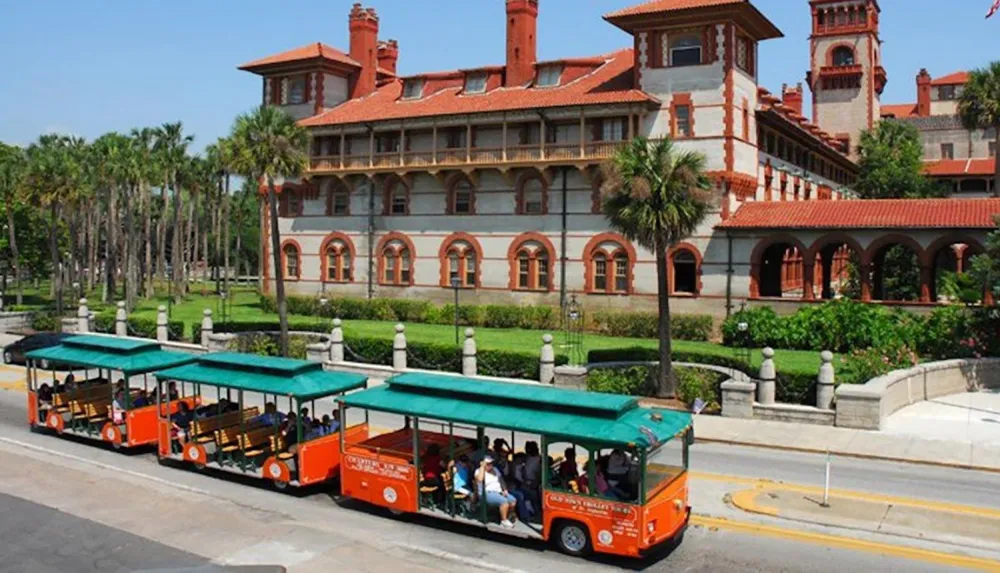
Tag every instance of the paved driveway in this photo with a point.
(968, 417)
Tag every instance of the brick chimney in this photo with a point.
(388, 55)
(792, 97)
(364, 49)
(522, 53)
(923, 93)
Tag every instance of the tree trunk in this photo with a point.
(161, 232)
(177, 256)
(111, 246)
(279, 273)
(225, 232)
(236, 259)
(132, 282)
(94, 222)
(666, 385)
(217, 237)
(147, 263)
(204, 256)
(996, 159)
(14, 252)
(54, 253)
(261, 251)
(190, 242)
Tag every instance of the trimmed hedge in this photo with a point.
(138, 326)
(692, 383)
(793, 388)
(621, 324)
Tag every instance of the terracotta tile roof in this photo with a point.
(867, 214)
(770, 102)
(955, 167)
(899, 110)
(608, 84)
(656, 6)
(951, 79)
(312, 51)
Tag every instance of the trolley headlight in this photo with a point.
(651, 526)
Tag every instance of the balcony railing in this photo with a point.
(454, 157)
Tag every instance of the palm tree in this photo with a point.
(142, 140)
(12, 165)
(269, 144)
(110, 155)
(656, 195)
(979, 107)
(172, 145)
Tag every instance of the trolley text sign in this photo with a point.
(623, 517)
(400, 472)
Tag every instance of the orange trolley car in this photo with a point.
(647, 507)
(89, 407)
(239, 434)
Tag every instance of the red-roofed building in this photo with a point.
(488, 179)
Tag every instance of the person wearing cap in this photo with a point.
(493, 490)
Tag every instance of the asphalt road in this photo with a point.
(704, 549)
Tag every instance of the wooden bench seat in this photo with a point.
(98, 411)
(278, 445)
(231, 440)
(256, 442)
(63, 401)
(204, 429)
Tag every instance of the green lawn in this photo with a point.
(245, 306)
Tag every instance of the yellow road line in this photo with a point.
(762, 484)
(17, 386)
(914, 553)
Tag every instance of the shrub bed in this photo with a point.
(621, 324)
(137, 326)
(692, 383)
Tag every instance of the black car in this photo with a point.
(14, 354)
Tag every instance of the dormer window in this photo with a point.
(685, 50)
(475, 83)
(548, 76)
(843, 56)
(413, 89)
(296, 90)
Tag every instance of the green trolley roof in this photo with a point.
(125, 355)
(556, 413)
(282, 376)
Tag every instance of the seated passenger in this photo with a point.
(480, 451)
(270, 417)
(118, 408)
(431, 466)
(69, 383)
(290, 433)
(568, 469)
(493, 490)
(462, 478)
(140, 400)
(172, 391)
(182, 421)
(316, 430)
(501, 452)
(45, 395)
(304, 416)
(618, 469)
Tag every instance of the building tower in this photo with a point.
(846, 74)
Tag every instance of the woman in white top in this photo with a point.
(493, 490)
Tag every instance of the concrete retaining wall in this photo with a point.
(14, 321)
(738, 402)
(867, 406)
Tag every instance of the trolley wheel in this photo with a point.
(572, 538)
(8, 357)
(43, 364)
(280, 485)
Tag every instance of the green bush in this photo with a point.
(692, 383)
(498, 316)
(45, 322)
(861, 366)
(698, 383)
(301, 325)
(146, 328)
(646, 325)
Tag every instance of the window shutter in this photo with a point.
(275, 91)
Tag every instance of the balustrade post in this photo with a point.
(399, 349)
(825, 382)
(547, 363)
(121, 320)
(82, 318)
(337, 342)
(768, 376)
(207, 328)
(162, 332)
(469, 353)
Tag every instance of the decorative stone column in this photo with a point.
(207, 328)
(121, 320)
(767, 378)
(547, 363)
(573, 377)
(316, 352)
(926, 278)
(825, 382)
(399, 349)
(469, 353)
(82, 318)
(737, 399)
(866, 282)
(337, 342)
(808, 276)
(162, 332)
(220, 342)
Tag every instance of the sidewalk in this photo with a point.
(979, 455)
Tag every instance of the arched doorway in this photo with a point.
(950, 259)
(838, 267)
(898, 270)
(780, 270)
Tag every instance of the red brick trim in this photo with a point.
(284, 261)
(829, 52)
(670, 268)
(836, 238)
(324, 262)
(320, 98)
(383, 245)
(762, 246)
(512, 261)
(972, 245)
(591, 249)
(446, 246)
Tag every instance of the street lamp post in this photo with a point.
(323, 301)
(455, 284)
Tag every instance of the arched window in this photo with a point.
(608, 260)
(684, 272)
(462, 199)
(396, 199)
(293, 266)
(532, 198)
(460, 259)
(621, 272)
(338, 200)
(843, 56)
(338, 262)
(685, 50)
(396, 265)
(530, 256)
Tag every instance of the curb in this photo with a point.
(856, 455)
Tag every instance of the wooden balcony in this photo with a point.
(457, 158)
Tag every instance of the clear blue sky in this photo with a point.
(90, 66)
